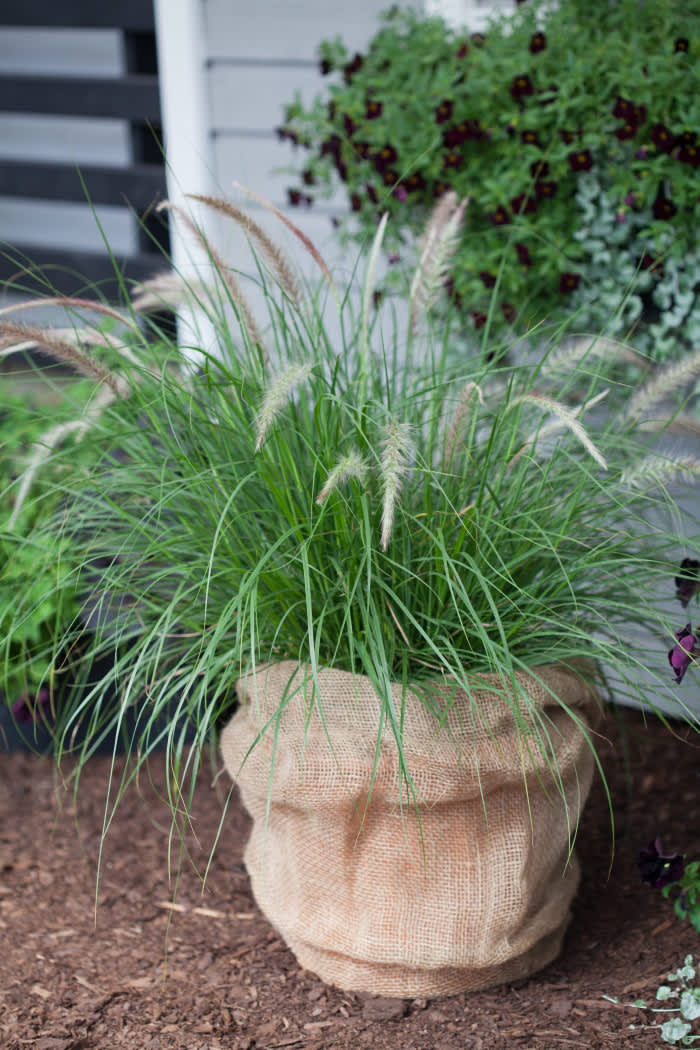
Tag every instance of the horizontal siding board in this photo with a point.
(133, 97)
(139, 186)
(71, 140)
(277, 29)
(265, 165)
(26, 269)
(248, 96)
(94, 14)
(94, 52)
(64, 224)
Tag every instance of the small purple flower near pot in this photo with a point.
(28, 710)
(681, 655)
(658, 869)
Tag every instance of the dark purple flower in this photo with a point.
(452, 159)
(539, 169)
(681, 45)
(326, 67)
(663, 208)
(444, 111)
(356, 202)
(331, 146)
(689, 155)
(688, 580)
(440, 188)
(521, 87)
(500, 216)
(538, 42)
(623, 108)
(654, 265)
(414, 182)
(529, 137)
(523, 205)
(523, 254)
(680, 656)
(31, 710)
(362, 149)
(479, 318)
(580, 160)
(349, 125)
(487, 279)
(372, 194)
(390, 177)
(656, 868)
(385, 157)
(463, 51)
(352, 67)
(626, 131)
(401, 193)
(662, 138)
(687, 138)
(308, 177)
(295, 197)
(509, 312)
(545, 190)
(569, 282)
(373, 109)
(567, 136)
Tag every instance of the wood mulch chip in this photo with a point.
(146, 960)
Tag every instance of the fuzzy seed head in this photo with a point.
(279, 390)
(350, 466)
(397, 450)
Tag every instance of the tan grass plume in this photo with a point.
(437, 246)
(225, 272)
(393, 467)
(275, 257)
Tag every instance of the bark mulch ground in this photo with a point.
(166, 965)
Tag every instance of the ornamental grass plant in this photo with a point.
(346, 486)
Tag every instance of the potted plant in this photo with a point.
(396, 576)
(573, 129)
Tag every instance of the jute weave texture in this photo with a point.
(472, 890)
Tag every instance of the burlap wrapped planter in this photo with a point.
(367, 895)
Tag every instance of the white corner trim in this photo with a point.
(181, 39)
(180, 35)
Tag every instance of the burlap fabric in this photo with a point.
(471, 892)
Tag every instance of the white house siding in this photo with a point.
(53, 224)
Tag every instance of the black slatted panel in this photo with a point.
(132, 97)
(128, 97)
(88, 14)
(138, 187)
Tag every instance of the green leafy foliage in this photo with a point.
(37, 600)
(683, 998)
(573, 130)
(686, 893)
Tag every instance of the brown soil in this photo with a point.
(162, 965)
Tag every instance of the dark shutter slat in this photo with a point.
(132, 97)
(85, 14)
(46, 271)
(140, 185)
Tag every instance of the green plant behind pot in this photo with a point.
(339, 491)
(572, 128)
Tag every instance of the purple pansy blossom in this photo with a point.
(681, 655)
(658, 869)
(28, 710)
(688, 580)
